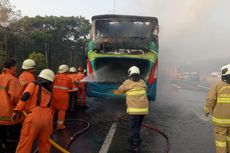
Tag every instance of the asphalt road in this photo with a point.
(177, 111)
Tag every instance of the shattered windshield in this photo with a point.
(123, 29)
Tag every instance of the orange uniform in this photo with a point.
(39, 120)
(61, 87)
(81, 95)
(73, 92)
(26, 77)
(73, 77)
(10, 93)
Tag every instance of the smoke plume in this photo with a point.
(190, 29)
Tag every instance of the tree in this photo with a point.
(54, 36)
(40, 61)
(8, 13)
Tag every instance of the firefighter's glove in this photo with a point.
(15, 116)
(207, 114)
(116, 92)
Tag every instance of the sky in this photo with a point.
(189, 29)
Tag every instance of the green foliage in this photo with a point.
(40, 61)
(60, 38)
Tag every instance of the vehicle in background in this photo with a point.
(191, 76)
(117, 43)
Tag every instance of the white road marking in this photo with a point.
(176, 86)
(108, 139)
(203, 87)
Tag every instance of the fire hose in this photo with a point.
(75, 135)
(166, 149)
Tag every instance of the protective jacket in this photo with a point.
(26, 77)
(218, 104)
(38, 121)
(10, 93)
(81, 94)
(136, 99)
(73, 77)
(80, 76)
(62, 85)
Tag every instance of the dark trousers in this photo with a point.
(135, 122)
(72, 100)
(9, 136)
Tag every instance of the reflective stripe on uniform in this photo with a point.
(2, 118)
(2, 87)
(136, 92)
(61, 87)
(60, 122)
(220, 120)
(221, 144)
(137, 110)
(74, 89)
(223, 100)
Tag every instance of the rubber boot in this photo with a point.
(134, 146)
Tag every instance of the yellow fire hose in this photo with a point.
(53, 143)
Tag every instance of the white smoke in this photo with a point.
(188, 29)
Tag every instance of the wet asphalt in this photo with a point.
(177, 111)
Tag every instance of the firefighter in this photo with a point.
(73, 92)
(218, 105)
(10, 93)
(62, 85)
(27, 74)
(81, 94)
(137, 105)
(36, 102)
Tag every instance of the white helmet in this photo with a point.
(47, 74)
(73, 69)
(133, 70)
(63, 68)
(225, 70)
(28, 64)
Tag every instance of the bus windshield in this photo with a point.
(123, 29)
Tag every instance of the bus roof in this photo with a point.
(125, 17)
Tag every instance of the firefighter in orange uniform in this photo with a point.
(38, 123)
(81, 94)
(73, 93)
(27, 74)
(62, 85)
(10, 93)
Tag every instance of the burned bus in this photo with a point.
(117, 43)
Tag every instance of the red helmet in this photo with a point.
(79, 69)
